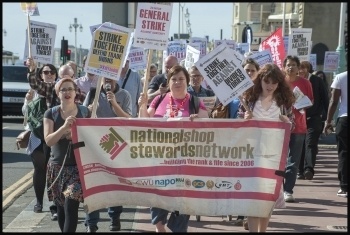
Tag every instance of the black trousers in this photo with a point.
(341, 135)
(310, 148)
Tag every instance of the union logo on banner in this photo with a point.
(112, 143)
(275, 44)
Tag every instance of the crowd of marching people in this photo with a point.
(170, 94)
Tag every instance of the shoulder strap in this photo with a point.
(194, 104)
(159, 100)
(55, 110)
(84, 110)
(126, 78)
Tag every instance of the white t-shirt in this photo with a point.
(340, 82)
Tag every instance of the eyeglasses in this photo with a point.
(69, 89)
(49, 71)
(195, 76)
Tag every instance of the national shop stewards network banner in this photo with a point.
(205, 167)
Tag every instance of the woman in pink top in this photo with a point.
(175, 103)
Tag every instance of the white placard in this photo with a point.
(224, 73)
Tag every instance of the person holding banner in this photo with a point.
(63, 181)
(176, 103)
(291, 66)
(158, 83)
(270, 97)
(251, 67)
(113, 101)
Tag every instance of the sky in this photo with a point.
(63, 14)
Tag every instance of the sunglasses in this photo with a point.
(47, 72)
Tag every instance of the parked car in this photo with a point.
(14, 88)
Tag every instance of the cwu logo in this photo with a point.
(112, 143)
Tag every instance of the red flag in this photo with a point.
(275, 44)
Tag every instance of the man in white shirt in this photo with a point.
(340, 95)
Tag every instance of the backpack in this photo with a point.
(35, 114)
(194, 103)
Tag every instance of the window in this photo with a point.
(14, 74)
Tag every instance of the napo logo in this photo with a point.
(223, 185)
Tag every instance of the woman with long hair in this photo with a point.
(269, 97)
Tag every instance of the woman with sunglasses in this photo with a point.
(37, 148)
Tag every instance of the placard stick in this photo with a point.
(97, 95)
(29, 44)
(244, 103)
(145, 83)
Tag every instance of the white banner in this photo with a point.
(192, 56)
(224, 73)
(42, 40)
(262, 57)
(299, 43)
(202, 167)
(152, 25)
(230, 43)
(203, 45)
(331, 61)
(137, 58)
(177, 48)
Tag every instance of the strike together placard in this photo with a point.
(109, 46)
(177, 164)
(42, 41)
(224, 73)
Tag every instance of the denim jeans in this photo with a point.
(341, 135)
(296, 143)
(92, 218)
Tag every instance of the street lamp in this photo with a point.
(182, 7)
(188, 24)
(75, 26)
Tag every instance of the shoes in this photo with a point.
(91, 229)
(53, 209)
(38, 208)
(308, 175)
(115, 225)
(245, 225)
(238, 222)
(53, 216)
(288, 197)
(300, 176)
(342, 193)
